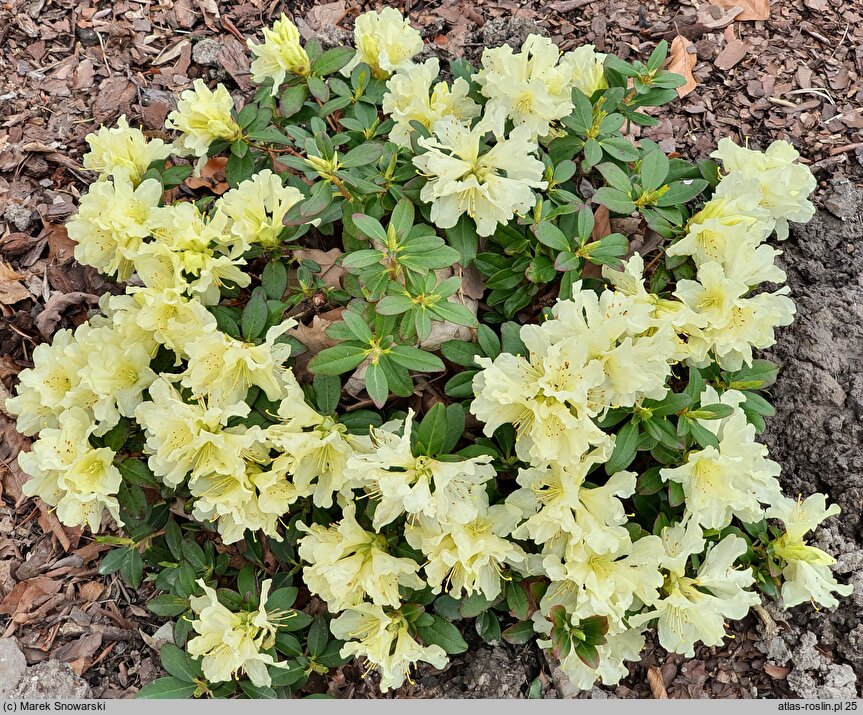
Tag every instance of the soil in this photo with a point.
(69, 65)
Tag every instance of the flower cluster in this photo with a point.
(618, 484)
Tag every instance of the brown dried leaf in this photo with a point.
(734, 51)
(11, 290)
(326, 15)
(682, 60)
(777, 672)
(657, 687)
(61, 248)
(50, 317)
(212, 176)
(752, 9)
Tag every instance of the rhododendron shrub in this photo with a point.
(500, 405)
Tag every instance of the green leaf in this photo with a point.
(269, 135)
(702, 435)
(363, 258)
(716, 411)
(432, 431)
(274, 279)
(454, 313)
(463, 238)
(522, 632)
(511, 339)
(516, 600)
(255, 315)
(588, 654)
(166, 688)
(376, 384)
(358, 326)
(258, 692)
(676, 497)
(363, 155)
(332, 60)
(616, 178)
(134, 471)
(654, 169)
(582, 112)
(614, 200)
(288, 672)
(679, 192)
(318, 88)
(132, 570)
(394, 305)
(293, 98)
(444, 634)
(113, 561)
(415, 359)
(328, 392)
(649, 483)
(239, 169)
(488, 627)
(318, 636)
(461, 352)
(168, 605)
(460, 386)
(608, 250)
(371, 227)
(337, 359)
(760, 375)
(288, 644)
(282, 598)
(567, 261)
(402, 218)
(488, 341)
(175, 175)
(550, 235)
(625, 449)
(180, 664)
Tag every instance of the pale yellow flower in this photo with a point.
(228, 643)
(489, 186)
(255, 210)
(348, 565)
(203, 116)
(385, 41)
(123, 147)
(414, 94)
(384, 640)
(806, 572)
(113, 219)
(281, 53)
(529, 86)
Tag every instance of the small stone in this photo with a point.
(206, 53)
(19, 216)
(13, 665)
(51, 680)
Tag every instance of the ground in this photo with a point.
(68, 66)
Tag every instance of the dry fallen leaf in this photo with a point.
(326, 15)
(11, 290)
(734, 51)
(752, 9)
(212, 176)
(682, 60)
(776, 671)
(657, 687)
